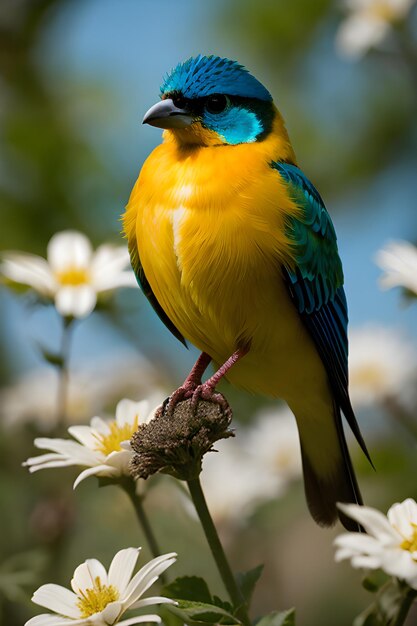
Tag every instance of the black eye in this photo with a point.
(217, 103)
(179, 101)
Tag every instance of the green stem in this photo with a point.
(409, 598)
(216, 548)
(407, 49)
(62, 399)
(400, 414)
(137, 502)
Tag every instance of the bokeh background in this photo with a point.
(75, 80)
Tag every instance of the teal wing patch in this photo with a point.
(147, 290)
(316, 285)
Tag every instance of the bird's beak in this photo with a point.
(165, 114)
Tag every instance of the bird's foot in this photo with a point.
(207, 392)
(184, 392)
(197, 392)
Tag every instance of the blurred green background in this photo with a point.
(75, 80)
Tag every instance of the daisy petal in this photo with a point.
(127, 410)
(399, 563)
(50, 464)
(357, 542)
(77, 300)
(97, 470)
(361, 561)
(121, 568)
(119, 460)
(111, 612)
(85, 435)
(154, 600)
(53, 620)
(358, 33)
(402, 516)
(69, 249)
(107, 268)
(374, 522)
(31, 270)
(139, 620)
(146, 576)
(86, 574)
(57, 599)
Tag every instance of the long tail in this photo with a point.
(329, 476)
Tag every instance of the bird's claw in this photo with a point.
(207, 392)
(197, 393)
(184, 392)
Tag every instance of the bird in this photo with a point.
(237, 254)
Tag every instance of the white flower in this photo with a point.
(100, 598)
(232, 483)
(93, 385)
(390, 543)
(259, 464)
(399, 261)
(273, 440)
(368, 24)
(73, 275)
(98, 446)
(382, 364)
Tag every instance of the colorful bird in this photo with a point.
(236, 252)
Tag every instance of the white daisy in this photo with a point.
(92, 385)
(273, 440)
(231, 483)
(390, 543)
(98, 446)
(73, 274)
(100, 598)
(382, 364)
(368, 24)
(399, 262)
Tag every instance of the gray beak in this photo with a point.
(165, 114)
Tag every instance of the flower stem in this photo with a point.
(409, 598)
(62, 399)
(216, 548)
(137, 502)
(401, 415)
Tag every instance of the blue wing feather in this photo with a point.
(316, 285)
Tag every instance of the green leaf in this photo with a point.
(52, 357)
(278, 618)
(202, 613)
(374, 581)
(223, 604)
(247, 581)
(188, 588)
(386, 607)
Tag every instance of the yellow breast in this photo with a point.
(209, 225)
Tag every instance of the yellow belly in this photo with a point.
(209, 224)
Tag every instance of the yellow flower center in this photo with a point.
(97, 598)
(411, 544)
(73, 276)
(371, 376)
(383, 10)
(111, 441)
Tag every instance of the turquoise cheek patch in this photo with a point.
(234, 126)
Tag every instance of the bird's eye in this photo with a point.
(217, 103)
(179, 101)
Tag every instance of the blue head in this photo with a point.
(210, 100)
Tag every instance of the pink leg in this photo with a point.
(200, 366)
(206, 391)
(190, 384)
